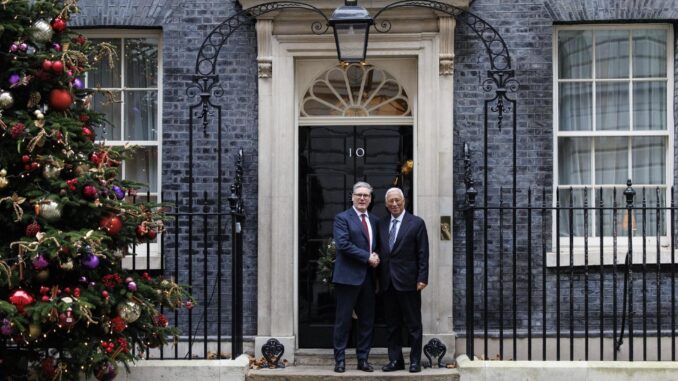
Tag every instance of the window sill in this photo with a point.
(579, 256)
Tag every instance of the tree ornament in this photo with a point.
(105, 371)
(3, 179)
(14, 79)
(50, 172)
(23, 46)
(88, 133)
(56, 46)
(111, 224)
(67, 319)
(58, 67)
(90, 261)
(47, 65)
(129, 311)
(34, 330)
(119, 192)
(42, 275)
(77, 83)
(82, 169)
(5, 327)
(17, 130)
(67, 265)
(59, 24)
(89, 191)
(50, 210)
(151, 234)
(21, 299)
(40, 262)
(141, 231)
(6, 100)
(41, 31)
(60, 99)
(132, 286)
(33, 229)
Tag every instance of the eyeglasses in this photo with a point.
(362, 195)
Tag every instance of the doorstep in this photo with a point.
(315, 373)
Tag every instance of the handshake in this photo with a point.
(374, 260)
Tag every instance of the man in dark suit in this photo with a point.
(403, 273)
(355, 236)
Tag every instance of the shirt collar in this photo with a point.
(359, 213)
(399, 218)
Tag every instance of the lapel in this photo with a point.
(405, 225)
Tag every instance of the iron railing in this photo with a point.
(579, 274)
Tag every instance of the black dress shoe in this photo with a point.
(415, 367)
(393, 366)
(365, 366)
(340, 366)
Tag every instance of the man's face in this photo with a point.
(395, 203)
(361, 199)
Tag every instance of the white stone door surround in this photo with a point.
(284, 40)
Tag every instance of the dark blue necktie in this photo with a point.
(392, 235)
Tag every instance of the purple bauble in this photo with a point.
(5, 327)
(23, 46)
(83, 280)
(77, 83)
(132, 286)
(56, 46)
(119, 193)
(14, 47)
(40, 262)
(90, 261)
(14, 79)
(105, 371)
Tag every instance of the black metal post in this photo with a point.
(237, 215)
(469, 214)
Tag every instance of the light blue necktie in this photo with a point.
(392, 234)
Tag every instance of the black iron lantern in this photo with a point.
(351, 24)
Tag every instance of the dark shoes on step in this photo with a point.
(393, 366)
(340, 366)
(415, 367)
(365, 366)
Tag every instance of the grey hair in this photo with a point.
(394, 189)
(362, 184)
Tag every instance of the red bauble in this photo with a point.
(111, 225)
(88, 133)
(33, 229)
(21, 299)
(59, 24)
(67, 319)
(89, 191)
(58, 67)
(141, 231)
(151, 234)
(60, 99)
(47, 65)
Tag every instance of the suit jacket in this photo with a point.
(353, 250)
(407, 263)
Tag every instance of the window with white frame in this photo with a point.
(131, 99)
(613, 121)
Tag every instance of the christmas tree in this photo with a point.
(66, 220)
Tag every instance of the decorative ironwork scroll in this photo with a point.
(435, 348)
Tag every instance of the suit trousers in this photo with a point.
(403, 308)
(361, 299)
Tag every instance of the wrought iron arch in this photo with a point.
(205, 85)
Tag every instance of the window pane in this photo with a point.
(649, 106)
(612, 160)
(109, 105)
(103, 74)
(615, 219)
(574, 161)
(575, 54)
(140, 115)
(575, 107)
(612, 106)
(649, 53)
(141, 62)
(648, 197)
(612, 54)
(648, 160)
(574, 198)
(143, 167)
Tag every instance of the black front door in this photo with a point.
(331, 160)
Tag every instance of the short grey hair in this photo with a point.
(362, 184)
(394, 189)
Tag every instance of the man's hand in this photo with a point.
(374, 260)
(421, 286)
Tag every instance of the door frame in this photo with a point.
(278, 173)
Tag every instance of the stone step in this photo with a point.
(325, 357)
(325, 373)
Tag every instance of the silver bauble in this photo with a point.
(50, 210)
(51, 171)
(41, 31)
(67, 265)
(129, 311)
(6, 100)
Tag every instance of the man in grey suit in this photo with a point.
(403, 273)
(355, 236)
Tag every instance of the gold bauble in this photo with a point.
(42, 275)
(50, 210)
(81, 169)
(34, 330)
(3, 182)
(50, 171)
(67, 265)
(129, 311)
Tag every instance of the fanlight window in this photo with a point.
(355, 91)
